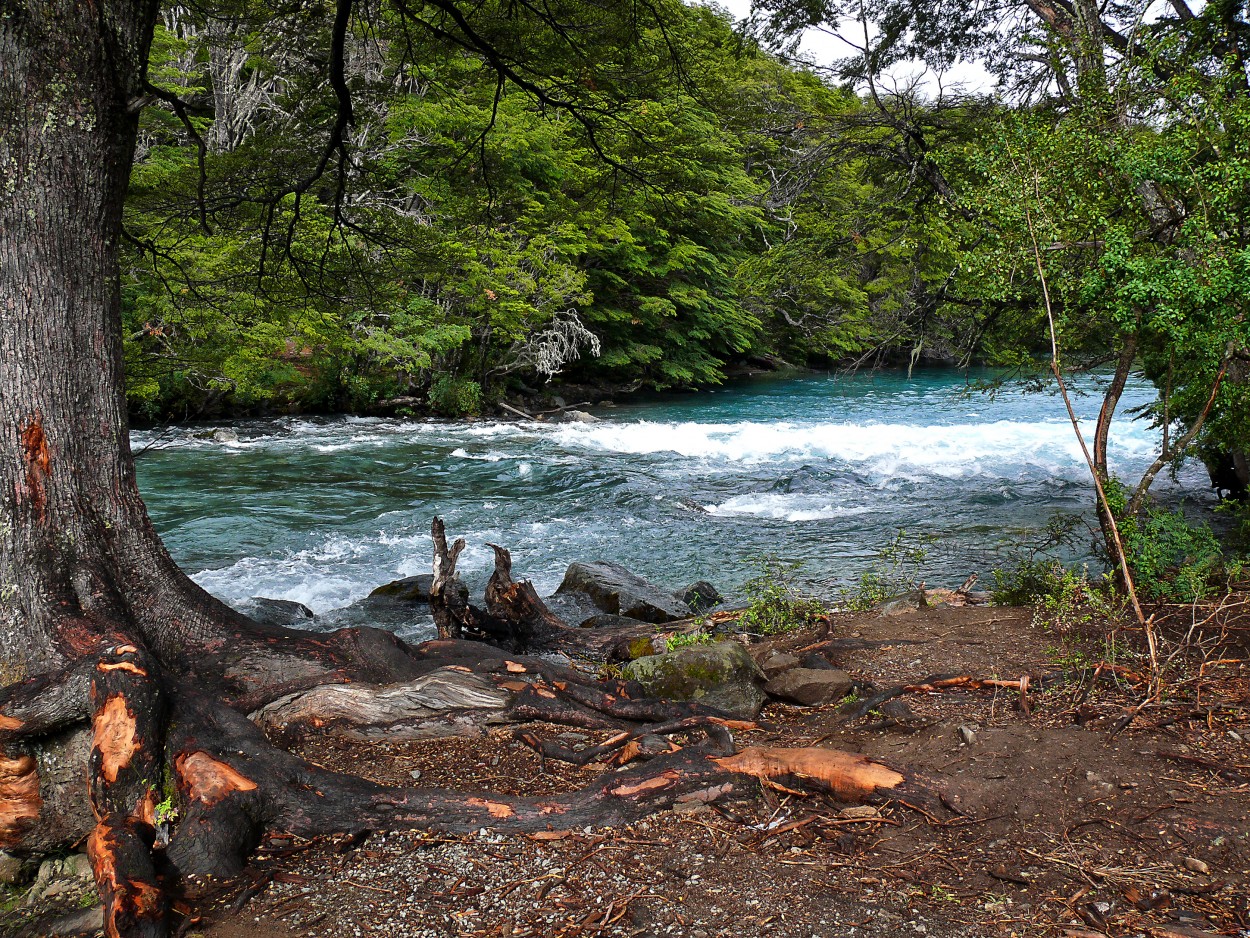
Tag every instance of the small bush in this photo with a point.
(455, 397)
(775, 604)
(896, 569)
(700, 636)
(1171, 558)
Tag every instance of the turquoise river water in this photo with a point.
(822, 470)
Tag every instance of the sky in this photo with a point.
(823, 47)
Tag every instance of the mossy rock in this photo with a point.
(723, 676)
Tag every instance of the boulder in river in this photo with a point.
(574, 416)
(810, 687)
(225, 435)
(283, 613)
(700, 596)
(411, 589)
(614, 589)
(722, 675)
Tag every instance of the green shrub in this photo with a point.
(1029, 581)
(451, 396)
(774, 603)
(1170, 557)
(896, 569)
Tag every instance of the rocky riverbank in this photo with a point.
(1057, 816)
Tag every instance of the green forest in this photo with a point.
(656, 198)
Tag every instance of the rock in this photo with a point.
(859, 811)
(408, 589)
(722, 675)
(641, 647)
(225, 435)
(774, 663)
(66, 876)
(816, 662)
(81, 922)
(575, 416)
(412, 589)
(700, 596)
(284, 613)
(606, 620)
(12, 870)
(1194, 865)
(900, 605)
(810, 687)
(614, 589)
(967, 734)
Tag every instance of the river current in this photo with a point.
(820, 470)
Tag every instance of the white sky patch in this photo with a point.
(825, 45)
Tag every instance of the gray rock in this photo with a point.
(700, 596)
(81, 922)
(614, 589)
(900, 605)
(774, 663)
(61, 877)
(816, 662)
(723, 676)
(12, 870)
(810, 687)
(225, 435)
(409, 589)
(967, 734)
(859, 812)
(574, 416)
(286, 613)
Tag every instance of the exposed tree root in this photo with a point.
(215, 727)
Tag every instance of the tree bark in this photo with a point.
(78, 554)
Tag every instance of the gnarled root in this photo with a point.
(235, 783)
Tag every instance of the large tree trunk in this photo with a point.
(77, 552)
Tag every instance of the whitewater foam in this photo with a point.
(950, 450)
(784, 506)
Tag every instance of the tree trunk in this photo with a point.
(78, 555)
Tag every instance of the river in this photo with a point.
(820, 470)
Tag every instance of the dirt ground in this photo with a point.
(1063, 825)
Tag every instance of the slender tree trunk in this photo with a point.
(1110, 401)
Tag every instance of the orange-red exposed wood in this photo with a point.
(209, 781)
(19, 797)
(844, 775)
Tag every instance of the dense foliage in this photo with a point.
(472, 228)
(644, 195)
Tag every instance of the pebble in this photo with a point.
(859, 811)
(1194, 865)
(967, 734)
